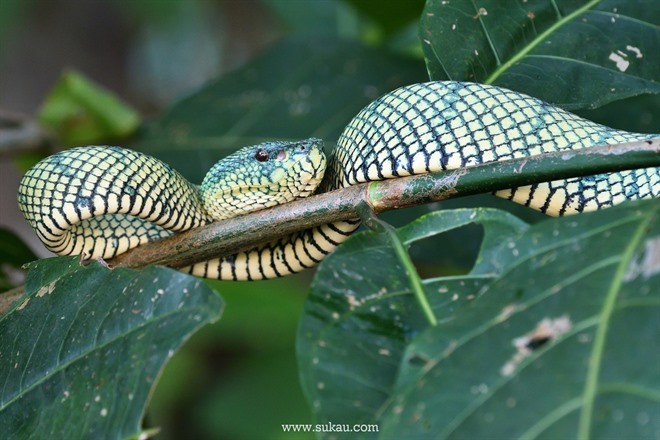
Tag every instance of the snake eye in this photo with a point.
(261, 155)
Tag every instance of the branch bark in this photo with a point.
(244, 232)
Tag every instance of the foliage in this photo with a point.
(13, 254)
(577, 54)
(542, 313)
(82, 113)
(87, 344)
(532, 337)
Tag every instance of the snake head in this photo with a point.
(261, 176)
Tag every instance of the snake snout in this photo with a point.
(307, 148)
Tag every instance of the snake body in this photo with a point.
(101, 201)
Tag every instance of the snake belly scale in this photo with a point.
(99, 202)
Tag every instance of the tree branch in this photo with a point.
(19, 134)
(240, 233)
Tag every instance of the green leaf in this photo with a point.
(575, 54)
(300, 88)
(639, 114)
(241, 365)
(556, 331)
(390, 16)
(534, 342)
(13, 250)
(85, 346)
(81, 112)
(361, 313)
(12, 17)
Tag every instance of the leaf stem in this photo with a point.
(371, 221)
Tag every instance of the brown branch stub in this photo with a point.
(19, 134)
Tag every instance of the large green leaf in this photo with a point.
(361, 313)
(85, 346)
(300, 88)
(329, 17)
(238, 368)
(548, 341)
(534, 342)
(573, 53)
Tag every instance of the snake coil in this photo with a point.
(102, 201)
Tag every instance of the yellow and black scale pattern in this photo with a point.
(446, 125)
(99, 202)
(72, 199)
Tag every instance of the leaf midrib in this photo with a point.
(598, 347)
(578, 327)
(536, 41)
(579, 275)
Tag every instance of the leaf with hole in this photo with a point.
(361, 313)
(541, 339)
(575, 54)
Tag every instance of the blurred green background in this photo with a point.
(237, 379)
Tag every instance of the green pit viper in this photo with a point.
(99, 202)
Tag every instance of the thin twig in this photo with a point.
(19, 134)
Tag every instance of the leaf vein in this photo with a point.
(598, 347)
(536, 41)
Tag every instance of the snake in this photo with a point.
(100, 201)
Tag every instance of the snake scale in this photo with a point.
(101, 201)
